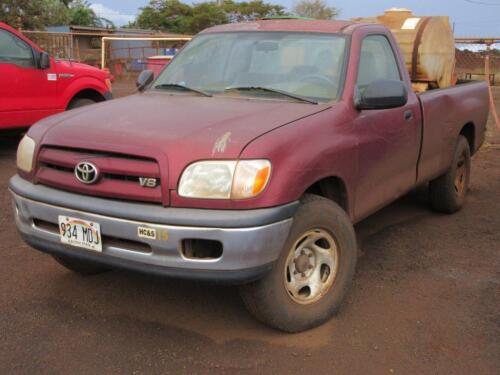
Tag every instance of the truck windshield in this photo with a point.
(304, 65)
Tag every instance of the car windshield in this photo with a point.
(288, 66)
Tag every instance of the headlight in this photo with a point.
(225, 179)
(25, 152)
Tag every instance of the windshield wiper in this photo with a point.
(275, 91)
(179, 86)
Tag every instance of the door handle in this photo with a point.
(408, 115)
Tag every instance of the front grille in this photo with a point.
(119, 174)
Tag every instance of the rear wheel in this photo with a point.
(80, 102)
(447, 192)
(79, 266)
(310, 279)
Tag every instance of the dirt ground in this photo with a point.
(426, 300)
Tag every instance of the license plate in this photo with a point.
(80, 233)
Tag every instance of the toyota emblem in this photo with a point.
(86, 173)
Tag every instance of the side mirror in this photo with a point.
(44, 60)
(382, 94)
(144, 79)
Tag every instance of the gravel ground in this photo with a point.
(426, 299)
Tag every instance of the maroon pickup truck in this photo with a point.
(247, 161)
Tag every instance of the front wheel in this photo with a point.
(80, 102)
(313, 273)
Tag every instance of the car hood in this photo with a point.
(205, 127)
(75, 67)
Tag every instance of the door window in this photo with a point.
(14, 50)
(377, 61)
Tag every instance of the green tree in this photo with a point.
(206, 15)
(177, 17)
(80, 14)
(37, 14)
(33, 14)
(171, 15)
(248, 11)
(317, 9)
(55, 13)
(30, 14)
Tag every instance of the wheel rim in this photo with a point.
(461, 176)
(311, 266)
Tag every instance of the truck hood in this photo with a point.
(68, 66)
(183, 126)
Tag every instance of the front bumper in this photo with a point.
(251, 240)
(108, 95)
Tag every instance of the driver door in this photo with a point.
(27, 93)
(388, 139)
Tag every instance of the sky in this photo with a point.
(474, 18)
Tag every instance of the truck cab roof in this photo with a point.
(286, 25)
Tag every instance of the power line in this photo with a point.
(477, 22)
(114, 14)
(477, 2)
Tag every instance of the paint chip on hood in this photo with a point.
(221, 143)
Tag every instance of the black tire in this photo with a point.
(269, 298)
(80, 102)
(79, 266)
(447, 192)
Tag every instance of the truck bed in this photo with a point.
(445, 114)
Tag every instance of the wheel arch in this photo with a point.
(87, 94)
(469, 132)
(333, 188)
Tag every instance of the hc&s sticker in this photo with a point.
(152, 234)
(145, 232)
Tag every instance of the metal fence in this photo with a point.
(478, 61)
(133, 54)
(60, 45)
(88, 47)
(471, 53)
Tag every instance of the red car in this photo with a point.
(248, 160)
(35, 85)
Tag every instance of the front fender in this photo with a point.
(305, 152)
(81, 84)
